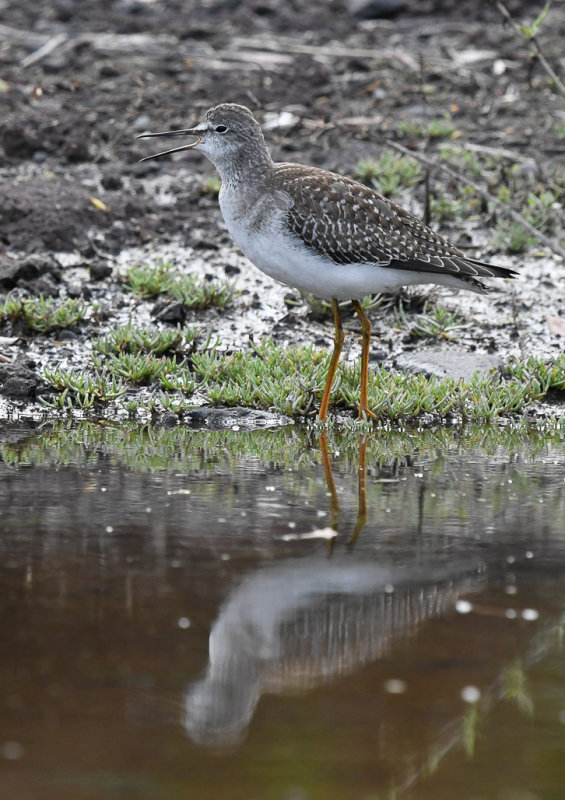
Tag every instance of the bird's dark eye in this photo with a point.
(220, 128)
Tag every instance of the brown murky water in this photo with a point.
(178, 622)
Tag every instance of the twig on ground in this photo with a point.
(499, 152)
(284, 44)
(505, 209)
(51, 44)
(24, 38)
(532, 38)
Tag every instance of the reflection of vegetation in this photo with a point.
(147, 447)
(64, 442)
(403, 466)
(514, 688)
(470, 728)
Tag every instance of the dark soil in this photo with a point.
(71, 181)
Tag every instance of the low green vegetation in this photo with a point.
(441, 128)
(432, 323)
(537, 195)
(470, 161)
(517, 185)
(514, 184)
(268, 376)
(163, 279)
(291, 380)
(529, 31)
(139, 355)
(390, 173)
(396, 396)
(211, 186)
(513, 237)
(43, 314)
(182, 379)
(543, 375)
(131, 339)
(447, 208)
(81, 389)
(541, 207)
(140, 368)
(128, 357)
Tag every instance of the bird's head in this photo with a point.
(228, 134)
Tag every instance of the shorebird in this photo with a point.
(321, 232)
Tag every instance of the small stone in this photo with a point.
(19, 142)
(375, 9)
(170, 312)
(108, 71)
(54, 64)
(77, 152)
(18, 387)
(43, 285)
(142, 123)
(12, 271)
(77, 290)
(111, 182)
(100, 270)
(68, 335)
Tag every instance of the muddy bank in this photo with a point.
(78, 210)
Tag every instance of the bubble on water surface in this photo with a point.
(470, 694)
(463, 606)
(395, 686)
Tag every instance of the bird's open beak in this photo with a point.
(186, 132)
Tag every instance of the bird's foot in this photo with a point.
(365, 414)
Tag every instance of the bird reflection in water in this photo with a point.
(335, 510)
(297, 625)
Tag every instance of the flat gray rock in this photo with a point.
(452, 363)
(245, 419)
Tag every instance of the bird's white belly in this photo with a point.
(303, 269)
(263, 239)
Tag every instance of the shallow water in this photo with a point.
(180, 621)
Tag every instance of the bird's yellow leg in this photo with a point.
(364, 410)
(338, 344)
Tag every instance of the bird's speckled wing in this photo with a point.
(350, 223)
